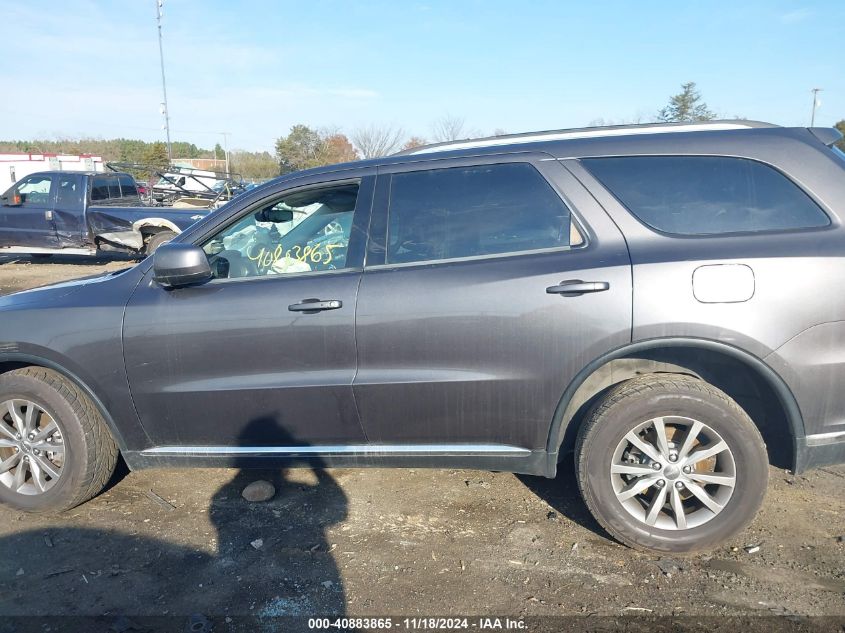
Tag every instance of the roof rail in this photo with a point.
(585, 132)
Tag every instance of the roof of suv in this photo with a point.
(721, 136)
(586, 132)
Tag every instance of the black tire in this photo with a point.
(630, 404)
(162, 237)
(90, 453)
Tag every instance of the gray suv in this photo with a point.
(661, 301)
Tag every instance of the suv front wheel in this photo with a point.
(670, 463)
(55, 448)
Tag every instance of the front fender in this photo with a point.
(31, 355)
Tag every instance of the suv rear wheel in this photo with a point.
(55, 449)
(670, 463)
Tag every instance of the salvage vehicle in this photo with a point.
(657, 301)
(82, 213)
(178, 185)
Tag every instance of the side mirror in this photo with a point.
(276, 216)
(178, 265)
(12, 200)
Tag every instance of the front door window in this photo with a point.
(35, 191)
(300, 232)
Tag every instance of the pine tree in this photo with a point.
(686, 106)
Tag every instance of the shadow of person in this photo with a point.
(280, 549)
(269, 560)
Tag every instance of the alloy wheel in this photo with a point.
(32, 449)
(673, 473)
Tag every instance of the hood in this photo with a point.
(51, 292)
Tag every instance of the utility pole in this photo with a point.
(226, 148)
(165, 111)
(816, 104)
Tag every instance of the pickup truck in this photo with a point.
(83, 213)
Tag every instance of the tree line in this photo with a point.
(304, 147)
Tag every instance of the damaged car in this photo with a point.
(83, 213)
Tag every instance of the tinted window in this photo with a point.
(299, 232)
(127, 186)
(700, 195)
(100, 188)
(114, 187)
(481, 210)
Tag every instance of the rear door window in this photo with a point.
(474, 211)
(69, 192)
(707, 195)
(127, 186)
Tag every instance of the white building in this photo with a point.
(15, 166)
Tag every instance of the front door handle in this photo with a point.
(315, 305)
(48, 215)
(576, 287)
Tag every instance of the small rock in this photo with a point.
(327, 584)
(840, 539)
(753, 549)
(668, 567)
(551, 516)
(257, 543)
(20, 572)
(259, 491)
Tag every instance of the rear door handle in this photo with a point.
(315, 305)
(576, 287)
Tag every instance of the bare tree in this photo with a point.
(448, 128)
(374, 141)
(414, 142)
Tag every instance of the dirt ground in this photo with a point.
(397, 542)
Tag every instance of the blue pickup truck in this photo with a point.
(83, 213)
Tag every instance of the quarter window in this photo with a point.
(472, 211)
(300, 232)
(706, 195)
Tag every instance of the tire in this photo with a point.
(83, 453)
(678, 404)
(157, 240)
(41, 256)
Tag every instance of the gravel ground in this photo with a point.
(398, 542)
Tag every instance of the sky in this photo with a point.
(87, 68)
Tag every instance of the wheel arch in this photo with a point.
(12, 361)
(774, 408)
